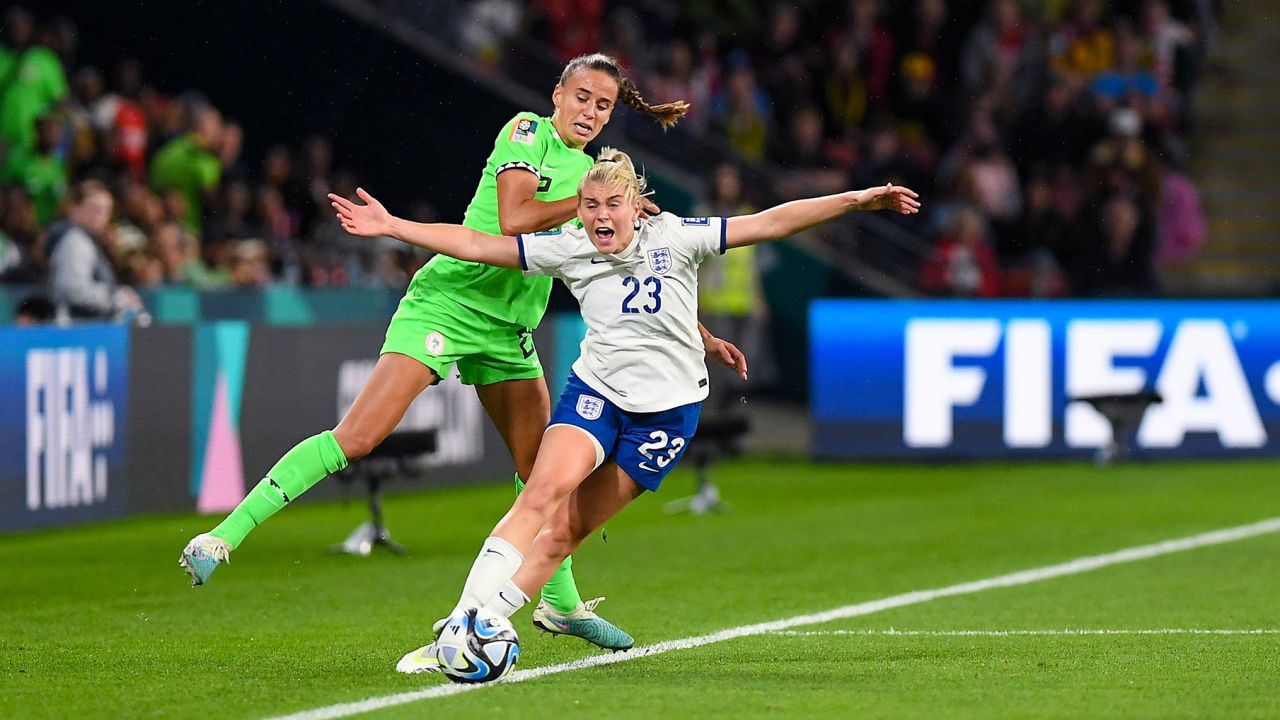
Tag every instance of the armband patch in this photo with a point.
(524, 131)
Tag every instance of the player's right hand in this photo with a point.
(368, 220)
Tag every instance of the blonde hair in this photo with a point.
(613, 168)
(667, 114)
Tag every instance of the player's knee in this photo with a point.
(355, 444)
(539, 499)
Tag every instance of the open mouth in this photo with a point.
(604, 233)
(582, 128)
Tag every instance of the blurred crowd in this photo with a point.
(1048, 138)
(108, 184)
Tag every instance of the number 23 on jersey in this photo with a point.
(651, 304)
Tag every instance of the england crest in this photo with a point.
(590, 407)
(660, 261)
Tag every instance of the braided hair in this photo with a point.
(667, 114)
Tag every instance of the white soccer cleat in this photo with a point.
(202, 556)
(423, 660)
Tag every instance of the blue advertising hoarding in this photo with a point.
(64, 398)
(973, 379)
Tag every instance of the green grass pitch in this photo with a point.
(98, 622)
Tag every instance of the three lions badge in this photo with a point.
(590, 407)
(660, 261)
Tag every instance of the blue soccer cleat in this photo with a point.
(584, 623)
(201, 557)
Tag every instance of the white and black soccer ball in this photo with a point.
(477, 646)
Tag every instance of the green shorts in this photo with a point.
(439, 333)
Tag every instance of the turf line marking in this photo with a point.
(1012, 633)
(1024, 577)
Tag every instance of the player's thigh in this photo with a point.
(396, 380)
(520, 409)
(602, 495)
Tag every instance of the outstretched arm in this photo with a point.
(790, 218)
(463, 243)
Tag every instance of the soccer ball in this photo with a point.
(477, 646)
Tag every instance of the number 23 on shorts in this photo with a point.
(660, 442)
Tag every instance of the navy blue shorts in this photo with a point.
(645, 445)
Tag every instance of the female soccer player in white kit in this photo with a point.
(631, 404)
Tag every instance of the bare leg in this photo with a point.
(566, 457)
(601, 496)
(520, 409)
(396, 380)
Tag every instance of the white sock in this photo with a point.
(508, 600)
(496, 564)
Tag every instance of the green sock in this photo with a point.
(305, 465)
(560, 592)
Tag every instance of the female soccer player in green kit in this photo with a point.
(479, 318)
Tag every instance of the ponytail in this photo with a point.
(614, 169)
(667, 114)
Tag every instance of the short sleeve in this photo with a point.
(519, 145)
(700, 236)
(544, 253)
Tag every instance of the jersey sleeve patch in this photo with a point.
(695, 221)
(517, 165)
(524, 131)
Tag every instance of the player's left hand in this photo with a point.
(727, 354)
(889, 197)
(368, 220)
(648, 209)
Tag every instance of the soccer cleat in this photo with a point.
(201, 557)
(584, 623)
(423, 660)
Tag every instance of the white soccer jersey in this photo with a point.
(642, 350)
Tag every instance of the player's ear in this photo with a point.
(555, 96)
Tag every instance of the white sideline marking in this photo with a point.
(1009, 633)
(1071, 567)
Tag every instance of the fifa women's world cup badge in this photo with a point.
(524, 131)
(660, 261)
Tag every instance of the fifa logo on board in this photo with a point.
(70, 427)
(1196, 369)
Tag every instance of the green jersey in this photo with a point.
(528, 143)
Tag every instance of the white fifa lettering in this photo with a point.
(934, 385)
(1092, 347)
(1202, 350)
(1028, 384)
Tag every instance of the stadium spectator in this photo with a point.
(82, 280)
(39, 169)
(32, 80)
(962, 265)
(1118, 259)
(742, 112)
(1003, 56)
(1082, 44)
(190, 164)
(22, 238)
(1130, 78)
(803, 155)
(1181, 223)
